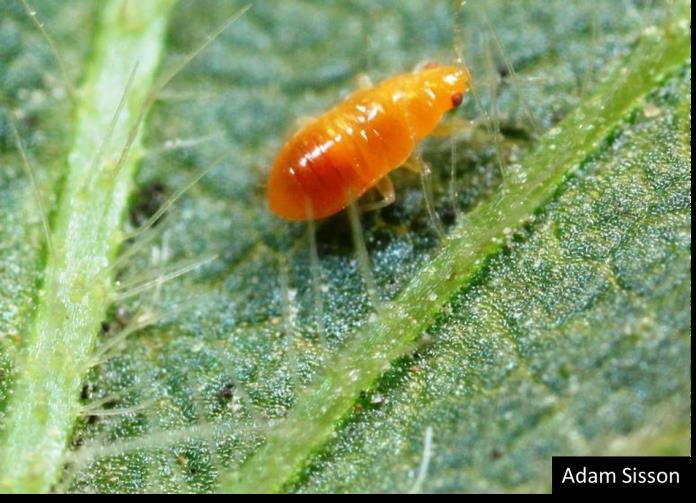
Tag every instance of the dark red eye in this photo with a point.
(457, 99)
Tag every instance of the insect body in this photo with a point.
(351, 148)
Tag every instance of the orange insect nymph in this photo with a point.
(340, 155)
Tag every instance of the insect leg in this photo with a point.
(363, 257)
(315, 270)
(416, 164)
(385, 187)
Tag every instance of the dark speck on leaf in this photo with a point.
(147, 202)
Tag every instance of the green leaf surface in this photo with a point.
(554, 317)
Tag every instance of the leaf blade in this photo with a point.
(323, 404)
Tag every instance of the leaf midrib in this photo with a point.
(86, 234)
